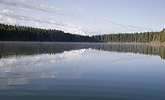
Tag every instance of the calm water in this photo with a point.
(81, 71)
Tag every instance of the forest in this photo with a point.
(145, 37)
(23, 33)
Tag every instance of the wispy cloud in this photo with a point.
(5, 19)
(8, 16)
(123, 26)
(31, 5)
(110, 24)
(74, 24)
(11, 15)
(132, 27)
(80, 9)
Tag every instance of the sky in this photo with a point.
(91, 17)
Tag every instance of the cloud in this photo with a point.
(80, 9)
(6, 19)
(132, 27)
(37, 21)
(17, 17)
(31, 5)
(9, 17)
(71, 26)
(123, 27)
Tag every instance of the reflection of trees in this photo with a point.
(26, 48)
(136, 48)
(17, 48)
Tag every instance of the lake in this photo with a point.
(81, 71)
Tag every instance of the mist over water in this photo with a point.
(83, 71)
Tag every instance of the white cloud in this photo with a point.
(30, 5)
(6, 11)
(70, 22)
(71, 27)
(9, 17)
(11, 21)
(14, 18)
(5, 19)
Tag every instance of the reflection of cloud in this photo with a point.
(43, 87)
(123, 58)
(21, 93)
(16, 71)
(77, 75)
(18, 78)
(73, 54)
(10, 64)
(5, 82)
(12, 81)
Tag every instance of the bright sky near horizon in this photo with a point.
(89, 16)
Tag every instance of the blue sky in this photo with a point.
(90, 16)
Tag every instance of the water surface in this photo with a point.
(81, 71)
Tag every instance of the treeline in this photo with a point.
(23, 33)
(136, 37)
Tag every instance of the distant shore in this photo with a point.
(151, 43)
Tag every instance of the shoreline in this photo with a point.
(151, 43)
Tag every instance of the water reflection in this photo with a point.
(18, 49)
(17, 70)
(20, 62)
